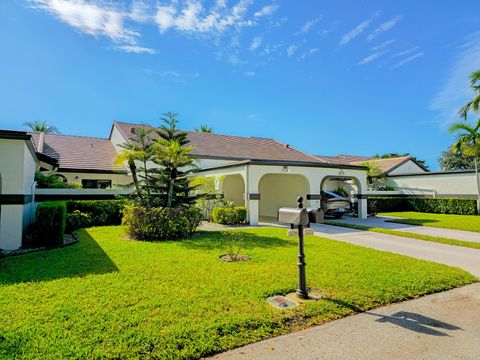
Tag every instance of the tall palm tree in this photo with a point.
(204, 129)
(173, 157)
(375, 175)
(41, 126)
(474, 104)
(137, 148)
(468, 143)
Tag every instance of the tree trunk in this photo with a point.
(146, 177)
(133, 169)
(478, 185)
(170, 193)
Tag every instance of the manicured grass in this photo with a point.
(437, 239)
(447, 221)
(108, 297)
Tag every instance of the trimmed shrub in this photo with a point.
(155, 224)
(445, 206)
(49, 225)
(86, 213)
(229, 215)
(386, 204)
(427, 205)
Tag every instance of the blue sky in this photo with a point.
(328, 77)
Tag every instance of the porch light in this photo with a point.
(285, 168)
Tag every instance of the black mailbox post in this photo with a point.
(298, 217)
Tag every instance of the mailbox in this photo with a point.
(293, 216)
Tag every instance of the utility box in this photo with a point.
(293, 216)
(316, 216)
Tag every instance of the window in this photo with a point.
(96, 184)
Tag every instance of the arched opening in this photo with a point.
(233, 189)
(279, 190)
(345, 186)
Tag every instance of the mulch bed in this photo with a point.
(68, 239)
(227, 258)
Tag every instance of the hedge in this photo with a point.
(48, 228)
(87, 213)
(154, 224)
(427, 205)
(229, 215)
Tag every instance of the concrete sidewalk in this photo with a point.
(381, 222)
(464, 258)
(439, 326)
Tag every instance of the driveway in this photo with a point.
(464, 258)
(381, 222)
(439, 326)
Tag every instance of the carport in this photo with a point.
(266, 185)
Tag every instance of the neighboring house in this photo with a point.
(390, 166)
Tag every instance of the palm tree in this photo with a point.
(468, 143)
(375, 175)
(137, 148)
(474, 104)
(173, 157)
(41, 126)
(204, 129)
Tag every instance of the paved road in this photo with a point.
(439, 326)
(465, 258)
(380, 222)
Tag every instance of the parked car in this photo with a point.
(334, 204)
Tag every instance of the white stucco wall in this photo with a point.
(234, 189)
(17, 169)
(446, 184)
(409, 167)
(117, 179)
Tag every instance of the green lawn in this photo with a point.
(108, 297)
(447, 221)
(437, 239)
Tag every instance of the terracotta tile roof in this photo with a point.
(386, 165)
(78, 152)
(234, 147)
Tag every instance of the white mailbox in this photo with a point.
(293, 216)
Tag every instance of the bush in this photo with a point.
(86, 213)
(427, 205)
(53, 182)
(49, 226)
(445, 206)
(229, 215)
(154, 224)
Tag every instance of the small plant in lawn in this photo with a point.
(234, 243)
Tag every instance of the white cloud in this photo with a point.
(256, 42)
(136, 49)
(401, 53)
(370, 58)
(291, 50)
(383, 45)
(191, 16)
(308, 53)
(407, 60)
(92, 18)
(455, 90)
(266, 10)
(249, 73)
(357, 30)
(384, 27)
(308, 26)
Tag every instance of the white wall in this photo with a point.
(442, 184)
(117, 179)
(17, 168)
(410, 167)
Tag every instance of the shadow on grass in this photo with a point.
(419, 222)
(84, 258)
(211, 240)
(407, 320)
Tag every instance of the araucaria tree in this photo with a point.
(171, 152)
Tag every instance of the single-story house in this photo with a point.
(260, 173)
